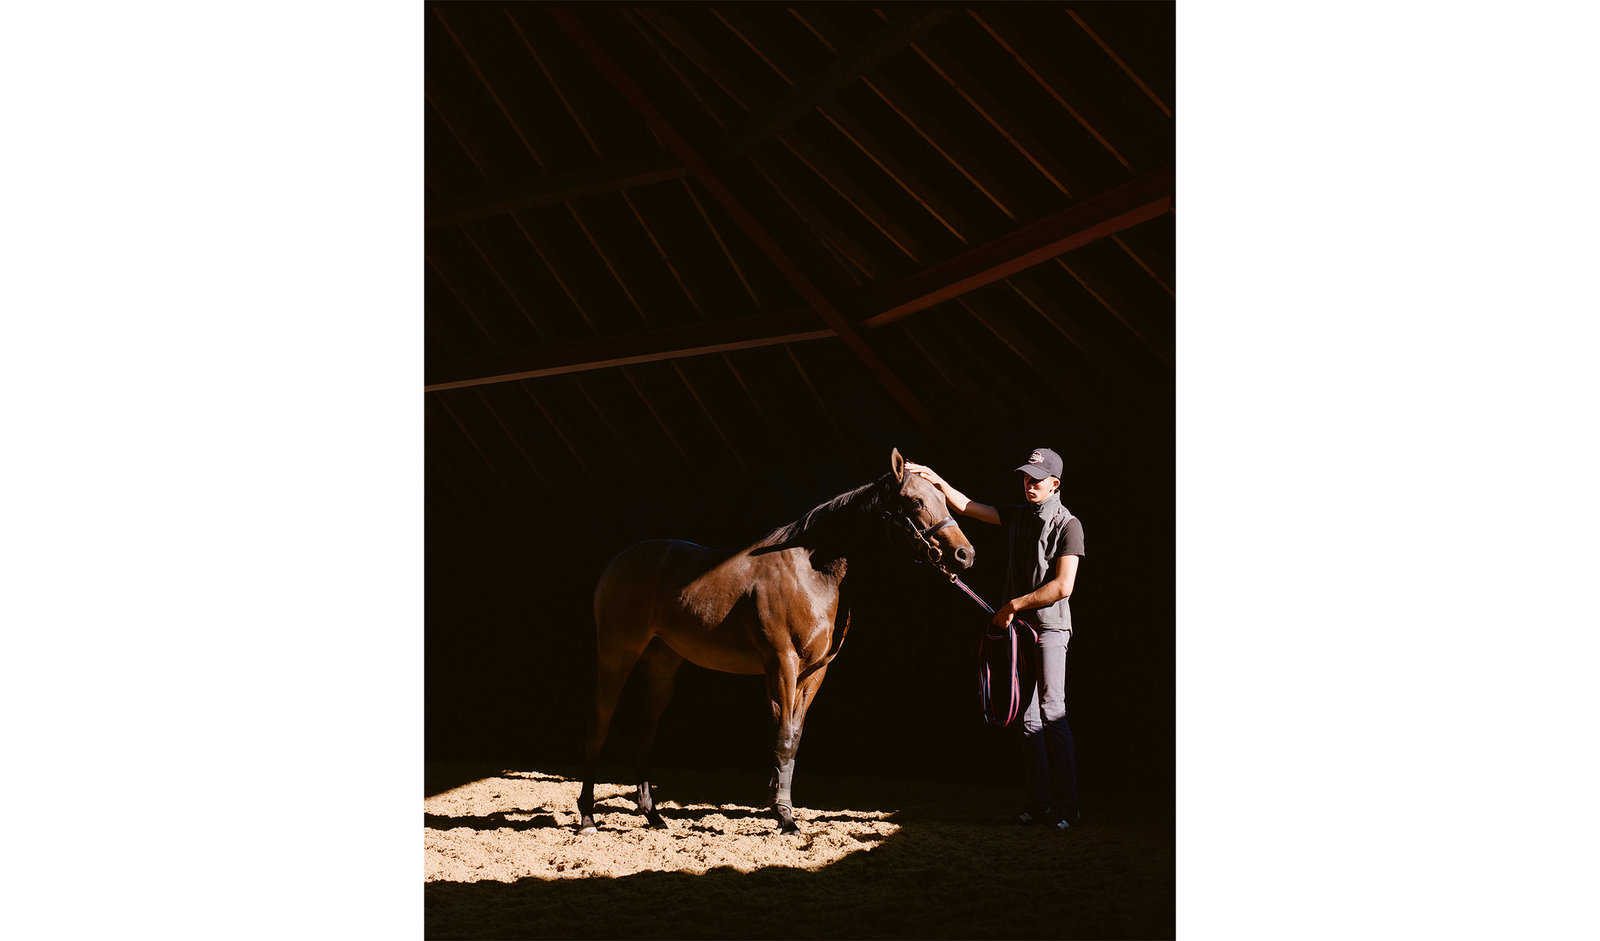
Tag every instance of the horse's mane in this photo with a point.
(865, 497)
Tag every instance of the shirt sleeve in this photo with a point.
(1071, 539)
(1006, 511)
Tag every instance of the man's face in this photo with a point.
(1038, 491)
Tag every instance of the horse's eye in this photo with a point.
(918, 503)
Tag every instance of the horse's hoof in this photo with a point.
(788, 826)
(654, 820)
(586, 827)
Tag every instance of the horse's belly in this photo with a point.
(725, 647)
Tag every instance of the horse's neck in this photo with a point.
(836, 529)
(845, 532)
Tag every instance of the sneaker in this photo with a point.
(1063, 824)
(1026, 819)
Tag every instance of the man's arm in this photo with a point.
(1059, 586)
(957, 500)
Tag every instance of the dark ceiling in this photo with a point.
(707, 239)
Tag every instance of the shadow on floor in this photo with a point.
(952, 870)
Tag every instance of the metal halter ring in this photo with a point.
(930, 548)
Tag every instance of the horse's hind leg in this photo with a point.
(659, 667)
(614, 667)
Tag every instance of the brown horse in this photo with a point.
(773, 608)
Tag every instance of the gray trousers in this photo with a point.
(1049, 762)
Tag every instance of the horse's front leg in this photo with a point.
(781, 687)
(791, 697)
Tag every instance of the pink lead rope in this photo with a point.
(1001, 714)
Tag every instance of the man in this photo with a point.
(1045, 545)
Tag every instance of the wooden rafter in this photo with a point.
(1043, 72)
(1077, 225)
(823, 167)
(666, 427)
(1026, 348)
(951, 336)
(726, 253)
(772, 425)
(1134, 202)
(472, 440)
(1129, 245)
(1070, 325)
(936, 354)
(561, 434)
(866, 140)
(1124, 310)
(617, 437)
(705, 409)
(650, 346)
(898, 32)
(858, 197)
(516, 442)
(822, 403)
(999, 117)
(488, 256)
(455, 290)
(1120, 64)
(802, 282)
(849, 252)
(614, 177)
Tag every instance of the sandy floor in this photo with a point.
(875, 859)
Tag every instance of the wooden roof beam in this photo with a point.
(1143, 198)
(713, 336)
(1133, 202)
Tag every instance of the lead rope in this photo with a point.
(991, 634)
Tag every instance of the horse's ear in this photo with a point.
(897, 464)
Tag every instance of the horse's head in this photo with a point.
(919, 508)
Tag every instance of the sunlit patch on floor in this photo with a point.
(522, 824)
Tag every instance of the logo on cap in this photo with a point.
(1036, 457)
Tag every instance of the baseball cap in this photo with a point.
(1042, 463)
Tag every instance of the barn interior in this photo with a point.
(691, 271)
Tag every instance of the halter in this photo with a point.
(931, 550)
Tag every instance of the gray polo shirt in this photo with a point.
(1037, 535)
